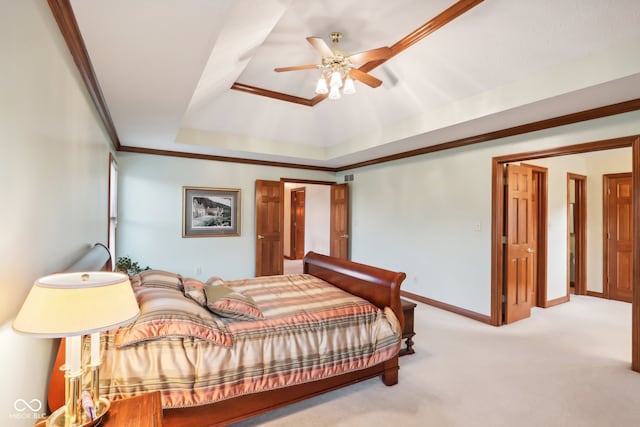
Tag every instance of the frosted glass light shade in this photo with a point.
(321, 86)
(334, 93)
(336, 79)
(349, 87)
(71, 304)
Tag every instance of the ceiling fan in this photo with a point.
(339, 68)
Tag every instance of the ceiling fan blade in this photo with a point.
(371, 55)
(364, 78)
(296, 68)
(320, 45)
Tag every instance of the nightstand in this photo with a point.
(407, 332)
(144, 410)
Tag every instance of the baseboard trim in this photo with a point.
(448, 307)
(595, 294)
(556, 301)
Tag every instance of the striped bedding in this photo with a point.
(311, 330)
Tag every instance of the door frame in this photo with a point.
(580, 233)
(497, 223)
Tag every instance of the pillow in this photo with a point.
(215, 281)
(160, 279)
(194, 289)
(225, 302)
(165, 313)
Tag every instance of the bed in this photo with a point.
(362, 297)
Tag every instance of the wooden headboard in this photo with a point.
(97, 258)
(377, 285)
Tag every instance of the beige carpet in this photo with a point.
(567, 365)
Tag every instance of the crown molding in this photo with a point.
(64, 16)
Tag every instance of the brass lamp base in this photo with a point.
(59, 417)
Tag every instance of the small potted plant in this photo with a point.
(125, 265)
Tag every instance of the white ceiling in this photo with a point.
(166, 67)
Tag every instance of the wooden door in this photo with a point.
(339, 221)
(519, 243)
(618, 236)
(269, 228)
(297, 223)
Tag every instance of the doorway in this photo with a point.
(577, 233)
(323, 226)
(297, 223)
(497, 224)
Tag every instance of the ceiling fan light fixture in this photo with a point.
(349, 87)
(321, 86)
(334, 93)
(338, 69)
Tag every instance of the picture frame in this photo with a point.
(210, 212)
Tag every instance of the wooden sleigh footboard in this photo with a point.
(381, 287)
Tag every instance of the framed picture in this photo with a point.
(210, 212)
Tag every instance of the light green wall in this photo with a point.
(430, 216)
(53, 181)
(150, 213)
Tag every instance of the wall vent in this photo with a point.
(348, 178)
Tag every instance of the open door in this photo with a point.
(339, 221)
(618, 248)
(269, 228)
(519, 243)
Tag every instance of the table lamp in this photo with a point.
(72, 305)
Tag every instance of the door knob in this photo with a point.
(260, 236)
(345, 236)
(530, 250)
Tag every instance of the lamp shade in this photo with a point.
(82, 303)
